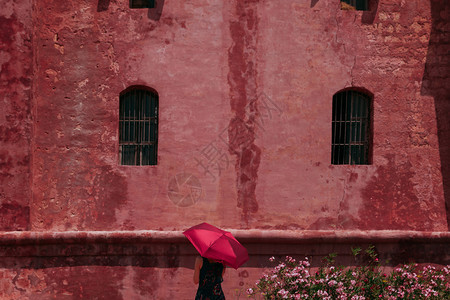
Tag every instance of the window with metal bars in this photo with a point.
(355, 4)
(351, 139)
(138, 127)
(142, 3)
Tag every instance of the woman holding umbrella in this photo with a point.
(217, 248)
(208, 274)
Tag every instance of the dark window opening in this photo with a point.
(351, 139)
(355, 4)
(142, 3)
(138, 127)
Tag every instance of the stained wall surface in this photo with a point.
(16, 59)
(245, 91)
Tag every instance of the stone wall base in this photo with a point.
(159, 264)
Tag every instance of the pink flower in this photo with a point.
(283, 293)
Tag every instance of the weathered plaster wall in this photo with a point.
(435, 83)
(245, 92)
(15, 113)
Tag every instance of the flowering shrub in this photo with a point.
(293, 279)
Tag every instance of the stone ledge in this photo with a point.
(244, 236)
(171, 248)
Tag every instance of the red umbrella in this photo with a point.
(217, 244)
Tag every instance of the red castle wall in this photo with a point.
(250, 82)
(209, 62)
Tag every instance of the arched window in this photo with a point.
(351, 139)
(355, 4)
(138, 126)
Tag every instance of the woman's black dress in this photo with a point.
(210, 279)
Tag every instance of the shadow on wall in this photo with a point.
(182, 255)
(103, 5)
(153, 13)
(314, 2)
(435, 83)
(368, 16)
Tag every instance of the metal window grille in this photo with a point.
(138, 127)
(358, 4)
(142, 3)
(350, 128)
